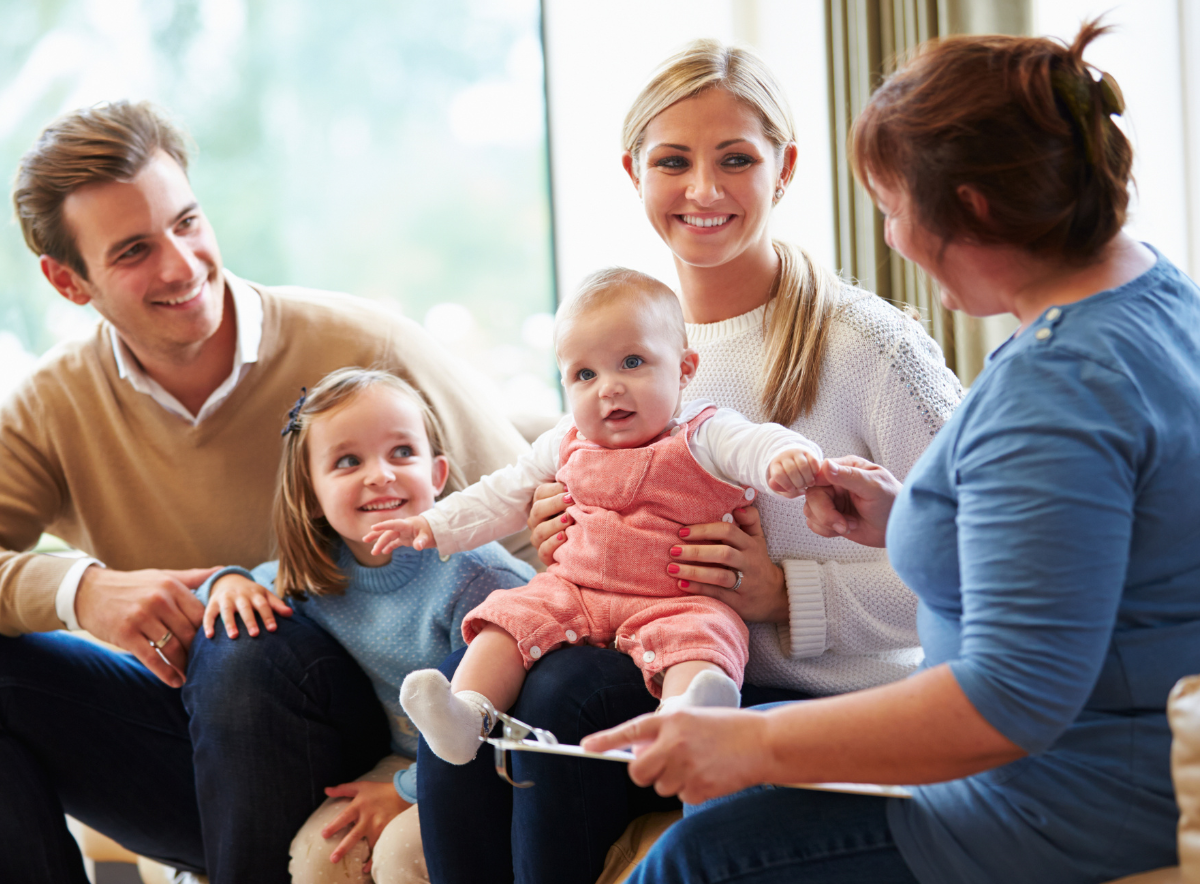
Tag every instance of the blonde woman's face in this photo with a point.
(371, 460)
(707, 176)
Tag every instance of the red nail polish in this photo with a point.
(568, 499)
(676, 551)
(561, 536)
(564, 518)
(684, 584)
(684, 532)
(672, 568)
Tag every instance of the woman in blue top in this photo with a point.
(364, 444)
(1051, 530)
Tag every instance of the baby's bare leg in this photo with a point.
(698, 683)
(493, 666)
(453, 717)
(677, 678)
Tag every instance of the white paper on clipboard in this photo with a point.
(626, 756)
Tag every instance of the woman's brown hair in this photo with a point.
(796, 328)
(307, 542)
(1023, 121)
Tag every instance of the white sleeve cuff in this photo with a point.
(805, 632)
(64, 598)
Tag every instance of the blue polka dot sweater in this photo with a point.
(402, 616)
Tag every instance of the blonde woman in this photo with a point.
(710, 149)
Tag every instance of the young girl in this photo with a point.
(639, 467)
(362, 444)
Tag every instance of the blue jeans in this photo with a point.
(475, 827)
(216, 777)
(779, 836)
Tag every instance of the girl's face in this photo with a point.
(370, 460)
(708, 177)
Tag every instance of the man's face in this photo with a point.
(154, 269)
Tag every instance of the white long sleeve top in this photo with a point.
(885, 391)
(726, 445)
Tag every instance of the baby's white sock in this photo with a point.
(709, 688)
(451, 723)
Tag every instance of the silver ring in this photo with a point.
(737, 582)
(162, 642)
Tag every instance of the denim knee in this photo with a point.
(578, 690)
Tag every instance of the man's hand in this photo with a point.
(233, 594)
(393, 533)
(792, 471)
(135, 610)
(371, 807)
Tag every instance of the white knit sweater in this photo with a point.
(884, 392)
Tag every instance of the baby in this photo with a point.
(637, 467)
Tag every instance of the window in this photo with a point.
(393, 149)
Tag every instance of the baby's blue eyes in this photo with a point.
(587, 374)
(402, 451)
(346, 462)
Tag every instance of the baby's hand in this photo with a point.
(386, 536)
(791, 472)
(234, 594)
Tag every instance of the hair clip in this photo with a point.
(293, 424)
(1110, 92)
(1075, 92)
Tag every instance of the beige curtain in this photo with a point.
(866, 38)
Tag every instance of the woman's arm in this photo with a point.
(919, 730)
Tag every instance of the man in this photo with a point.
(153, 447)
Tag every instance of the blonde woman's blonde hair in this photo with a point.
(307, 542)
(796, 328)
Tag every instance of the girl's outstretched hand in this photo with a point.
(234, 594)
(393, 533)
(696, 754)
(852, 498)
(371, 807)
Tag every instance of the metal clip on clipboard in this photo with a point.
(516, 733)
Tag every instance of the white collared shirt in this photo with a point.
(248, 311)
(247, 308)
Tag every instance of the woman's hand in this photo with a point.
(710, 567)
(852, 498)
(696, 754)
(548, 520)
(371, 807)
(234, 593)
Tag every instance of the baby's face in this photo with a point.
(623, 368)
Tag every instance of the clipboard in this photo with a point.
(517, 738)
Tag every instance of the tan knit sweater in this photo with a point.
(86, 457)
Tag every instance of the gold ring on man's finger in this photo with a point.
(162, 642)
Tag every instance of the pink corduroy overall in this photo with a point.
(609, 585)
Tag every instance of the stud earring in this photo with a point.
(778, 194)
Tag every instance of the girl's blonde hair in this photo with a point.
(797, 329)
(307, 542)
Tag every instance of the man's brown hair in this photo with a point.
(1024, 121)
(111, 141)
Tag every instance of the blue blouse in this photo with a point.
(1052, 534)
